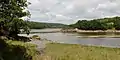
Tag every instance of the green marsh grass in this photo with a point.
(30, 48)
(55, 51)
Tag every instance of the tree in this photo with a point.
(117, 23)
(11, 13)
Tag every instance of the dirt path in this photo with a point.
(40, 45)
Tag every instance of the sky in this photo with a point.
(70, 11)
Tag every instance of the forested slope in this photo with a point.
(41, 25)
(98, 24)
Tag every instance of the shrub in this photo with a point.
(17, 50)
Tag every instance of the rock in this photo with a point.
(36, 37)
(3, 38)
(40, 45)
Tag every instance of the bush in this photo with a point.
(16, 50)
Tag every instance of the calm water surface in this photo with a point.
(74, 38)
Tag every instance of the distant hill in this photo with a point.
(98, 24)
(41, 25)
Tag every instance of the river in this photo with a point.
(78, 38)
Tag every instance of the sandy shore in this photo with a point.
(102, 36)
(77, 30)
(98, 31)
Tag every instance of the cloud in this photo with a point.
(69, 11)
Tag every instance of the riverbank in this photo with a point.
(89, 31)
(55, 51)
(116, 31)
(21, 49)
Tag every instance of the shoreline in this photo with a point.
(47, 41)
(80, 31)
(112, 31)
(99, 36)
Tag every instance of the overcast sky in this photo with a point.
(70, 11)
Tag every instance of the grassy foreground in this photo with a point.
(56, 51)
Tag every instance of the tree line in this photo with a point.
(98, 24)
(41, 25)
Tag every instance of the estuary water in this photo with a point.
(94, 39)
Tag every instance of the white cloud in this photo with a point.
(69, 11)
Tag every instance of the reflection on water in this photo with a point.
(72, 38)
(44, 30)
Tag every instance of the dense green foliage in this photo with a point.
(40, 25)
(16, 50)
(98, 24)
(11, 23)
(11, 12)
